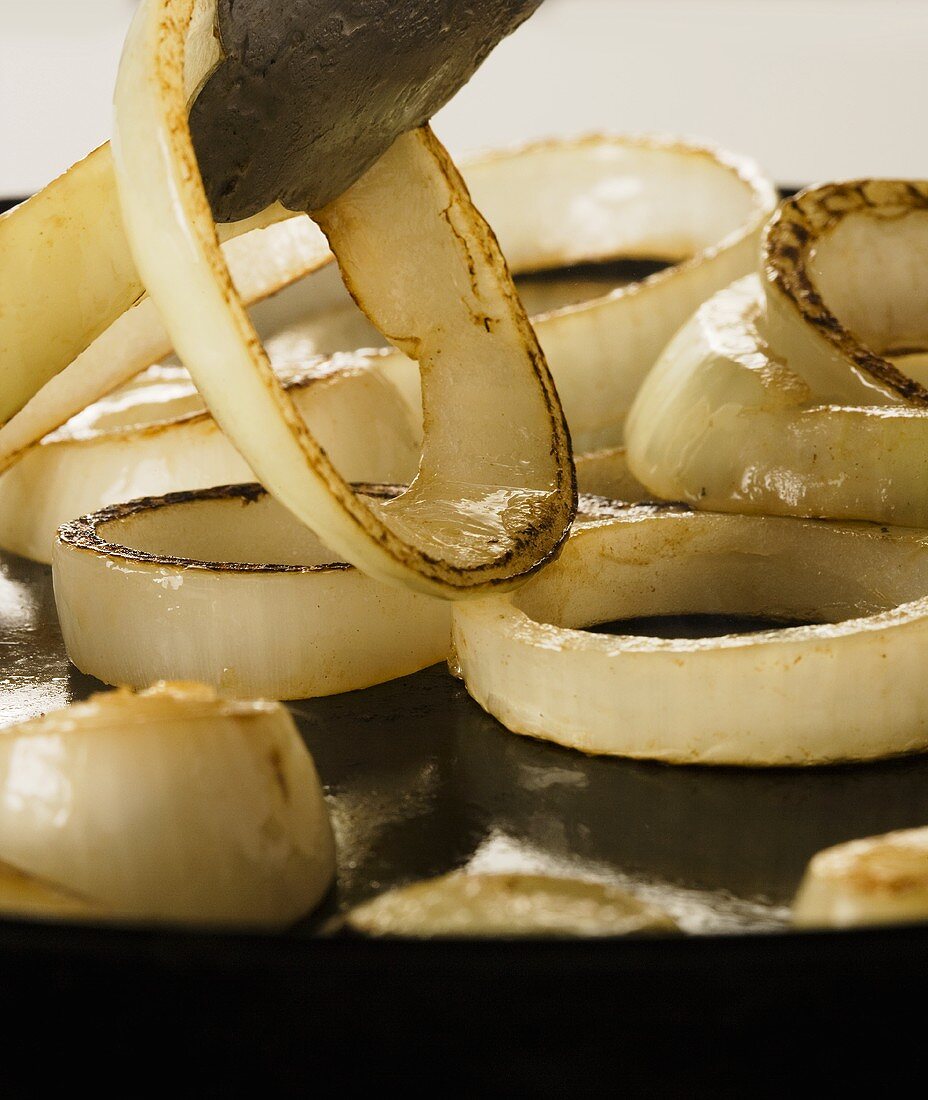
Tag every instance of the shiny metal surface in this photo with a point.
(420, 781)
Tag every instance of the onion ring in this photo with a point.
(157, 437)
(67, 274)
(789, 397)
(848, 689)
(173, 805)
(495, 493)
(587, 200)
(262, 262)
(224, 586)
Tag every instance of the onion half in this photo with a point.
(879, 880)
(848, 689)
(788, 395)
(226, 587)
(495, 493)
(173, 805)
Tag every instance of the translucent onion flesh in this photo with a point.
(879, 880)
(67, 274)
(173, 805)
(495, 492)
(849, 688)
(226, 587)
(74, 302)
(803, 393)
(514, 905)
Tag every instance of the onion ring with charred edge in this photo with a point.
(224, 586)
(495, 492)
(587, 200)
(788, 396)
(159, 588)
(603, 197)
(849, 689)
(157, 437)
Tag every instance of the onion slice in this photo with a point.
(879, 880)
(157, 437)
(226, 587)
(173, 805)
(468, 905)
(848, 688)
(495, 493)
(788, 395)
(67, 274)
(68, 281)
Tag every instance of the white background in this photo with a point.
(812, 88)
